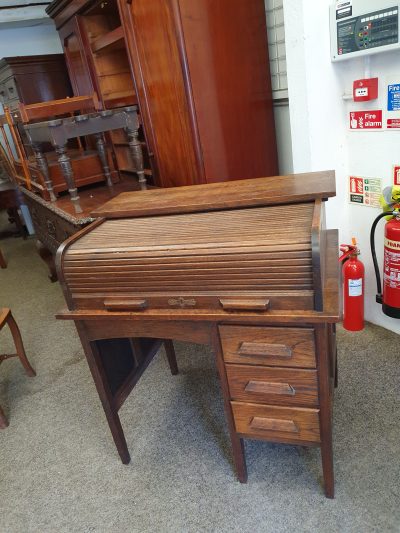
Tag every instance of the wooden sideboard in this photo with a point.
(199, 71)
(54, 222)
(246, 267)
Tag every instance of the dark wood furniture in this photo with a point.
(54, 222)
(6, 318)
(199, 70)
(58, 132)
(3, 263)
(246, 267)
(11, 199)
(31, 79)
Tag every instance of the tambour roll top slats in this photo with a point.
(197, 259)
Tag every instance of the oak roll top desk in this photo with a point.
(247, 267)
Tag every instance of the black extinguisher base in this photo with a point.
(393, 312)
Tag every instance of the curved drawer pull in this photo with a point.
(262, 387)
(127, 304)
(258, 349)
(256, 304)
(273, 424)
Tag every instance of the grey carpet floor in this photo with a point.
(59, 470)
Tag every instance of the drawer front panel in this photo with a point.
(285, 347)
(279, 386)
(278, 424)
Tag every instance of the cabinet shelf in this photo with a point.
(120, 99)
(112, 40)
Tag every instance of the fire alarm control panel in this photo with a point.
(363, 27)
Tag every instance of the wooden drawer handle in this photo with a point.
(114, 304)
(263, 387)
(259, 304)
(258, 349)
(273, 424)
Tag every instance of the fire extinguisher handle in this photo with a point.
(373, 252)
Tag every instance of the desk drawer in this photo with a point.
(287, 347)
(281, 386)
(278, 424)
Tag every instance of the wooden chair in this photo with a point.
(7, 318)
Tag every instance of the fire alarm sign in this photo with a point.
(366, 120)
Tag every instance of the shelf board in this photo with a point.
(120, 99)
(147, 171)
(112, 40)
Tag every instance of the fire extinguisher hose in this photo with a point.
(376, 266)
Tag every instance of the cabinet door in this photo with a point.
(227, 52)
(157, 62)
(77, 63)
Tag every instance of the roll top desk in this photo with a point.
(247, 267)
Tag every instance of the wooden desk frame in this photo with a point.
(206, 325)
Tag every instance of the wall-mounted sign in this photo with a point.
(392, 120)
(365, 191)
(396, 175)
(394, 97)
(366, 120)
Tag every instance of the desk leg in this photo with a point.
(171, 356)
(68, 173)
(103, 389)
(237, 443)
(325, 417)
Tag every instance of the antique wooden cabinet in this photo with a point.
(199, 70)
(31, 79)
(247, 267)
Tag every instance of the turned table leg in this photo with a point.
(66, 168)
(43, 166)
(102, 152)
(137, 155)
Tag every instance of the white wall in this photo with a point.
(319, 127)
(283, 138)
(30, 40)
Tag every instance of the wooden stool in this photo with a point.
(7, 318)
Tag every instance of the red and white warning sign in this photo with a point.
(396, 174)
(356, 185)
(365, 191)
(366, 120)
(393, 123)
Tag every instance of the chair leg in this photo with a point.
(19, 345)
(3, 419)
(170, 351)
(3, 263)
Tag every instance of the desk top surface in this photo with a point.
(273, 190)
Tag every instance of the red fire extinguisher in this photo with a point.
(353, 287)
(390, 299)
